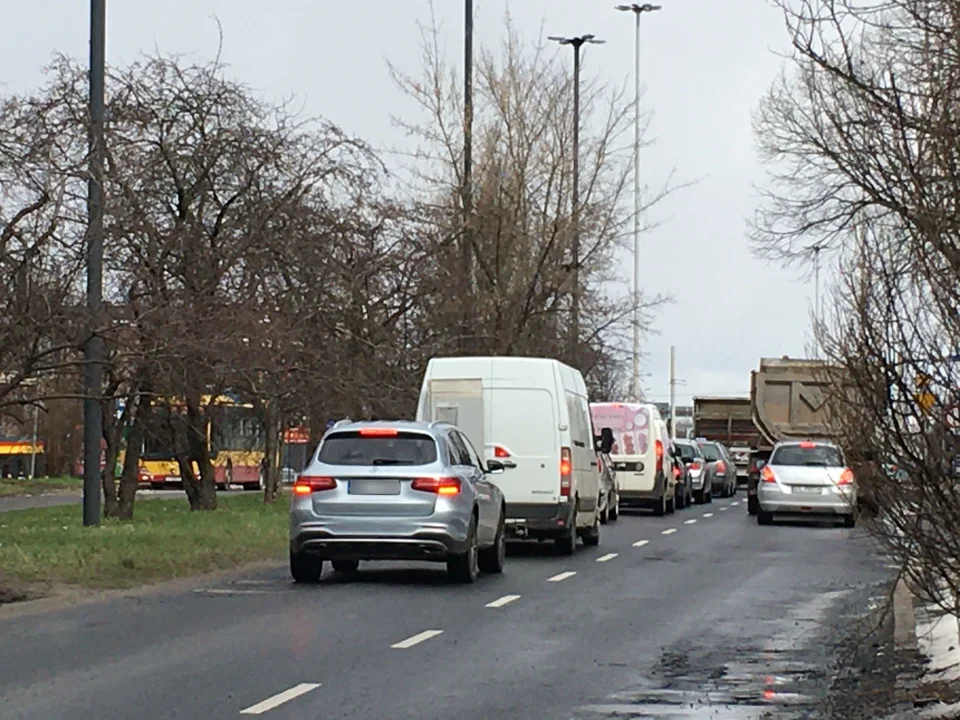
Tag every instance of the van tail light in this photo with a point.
(721, 467)
(599, 464)
(846, 477)
(767, 475)
(659, 456)
(437, 485)
(566, 471)
(308, 484)
(500, 452)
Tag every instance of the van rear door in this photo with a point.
(458, 402)
(524, 431)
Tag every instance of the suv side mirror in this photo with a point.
(495, 467)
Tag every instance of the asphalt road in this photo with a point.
(703, 614)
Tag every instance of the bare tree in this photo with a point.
(521, 227)
(861, 137)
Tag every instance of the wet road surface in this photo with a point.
(703, 614)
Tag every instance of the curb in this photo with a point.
(904, 618)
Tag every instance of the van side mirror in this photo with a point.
(495, 467)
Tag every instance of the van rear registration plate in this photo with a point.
(366, 486)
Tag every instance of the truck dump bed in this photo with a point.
(728, 420)
(789, 399)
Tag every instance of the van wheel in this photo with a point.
(753, 506)
(605, 515)
(591, 538)
(681, 501)
(671, 505)
(708, 498)
(661, 508)
(615, 510)
(567, 543)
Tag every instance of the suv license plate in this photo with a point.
(373, 487)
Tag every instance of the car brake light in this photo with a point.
(307, 484)
(695, 465)
(378, 432)
(659, 456)
(721, 466)
(437, 485)
(846, 477)
(676, 472)
(808, 445)
(502, 452)
(767, 475)
(566, 471)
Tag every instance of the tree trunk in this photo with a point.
(201, 491)
(271, 480)
(129, 477)
(111, 435)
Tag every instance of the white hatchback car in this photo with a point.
(807, 478)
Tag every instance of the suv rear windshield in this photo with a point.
(352, 448)
(817, 455)
(711, 452)
(689, 453)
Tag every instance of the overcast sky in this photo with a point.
(704, 68)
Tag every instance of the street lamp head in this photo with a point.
(561, 40)
(576, 41)
(638, 8)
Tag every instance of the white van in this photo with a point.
(533, 415)
(640, 454)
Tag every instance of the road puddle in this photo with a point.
(761, 684)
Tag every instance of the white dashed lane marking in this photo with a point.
(708, 514)
(505, 600)
(562, 576)
(671, 531)
(280, 698)
(737, 502)
(607, 557)
(641, 543)
(689, 522)
(416, 639)
(723, 509)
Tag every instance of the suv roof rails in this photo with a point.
(437, 423)
(344, 421)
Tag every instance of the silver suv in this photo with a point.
(397, 491)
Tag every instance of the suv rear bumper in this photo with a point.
(422, 545)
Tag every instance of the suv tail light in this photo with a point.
(659, 456)
(566, 471)
(307, 484)
(846, 477)
(437, 485)
(378, 432)
(721, 467)
(767, 475)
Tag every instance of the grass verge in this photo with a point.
(14, 487)
(165, 540)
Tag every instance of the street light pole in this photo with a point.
(816, 249)
(93, 348)
(637, 10)
(577, 43)
(467, 239)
